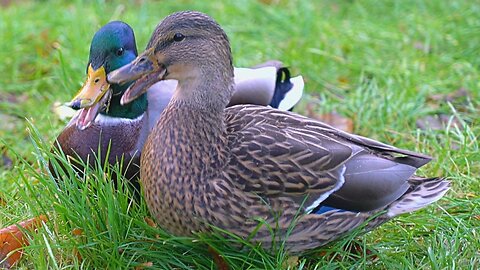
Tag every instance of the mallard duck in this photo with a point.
(250, 169)
(102, 122)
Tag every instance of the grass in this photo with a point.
(380, 63)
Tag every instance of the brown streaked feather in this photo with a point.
(276, 153)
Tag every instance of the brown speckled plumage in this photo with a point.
(204, 164)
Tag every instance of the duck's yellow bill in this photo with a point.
(92, 90)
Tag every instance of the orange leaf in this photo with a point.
(218, 259)
(12, 240)
(77, 232)
(150, 222)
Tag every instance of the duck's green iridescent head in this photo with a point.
(112, 47)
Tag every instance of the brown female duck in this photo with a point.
(240, 167)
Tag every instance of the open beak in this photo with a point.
(92, 97)
(144, 69)
(86, 116)
(92, 90)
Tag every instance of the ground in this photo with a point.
(404, 72)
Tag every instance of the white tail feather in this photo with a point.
(293, 96)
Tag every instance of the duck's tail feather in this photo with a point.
(328, 223)
(288, 91)
(424, 191)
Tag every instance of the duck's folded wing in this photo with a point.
(276, 153)
(273, 155)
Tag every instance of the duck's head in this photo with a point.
(112, 47)
(189, 47)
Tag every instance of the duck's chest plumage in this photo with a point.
(117, 137)
(179, 155)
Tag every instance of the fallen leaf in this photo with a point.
(6, 162)
(343, 80)
(77, 232)
(143, 265)
(291, 262)
(13, 97)
(333, 119)
(437, 122)
(460, 93)
(12, 240)
(218, 259)
(354, 249)
(8, 122)
(470, 195)
(5, 3)
(150, 222)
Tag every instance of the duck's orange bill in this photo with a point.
(92, 90)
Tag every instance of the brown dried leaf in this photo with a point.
(470, 195)
(352, 249)
(218, 259)
(12, 240)
(461, 93)
(143, 265)
(77, 232)
(6, 162)
(8, 122)
(13, 98)
(291, 262)
(150, 222)
(333, 119)
(437, 122)
(343, 80)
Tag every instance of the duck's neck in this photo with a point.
(131, 110)
(206, 92)
(189, 141)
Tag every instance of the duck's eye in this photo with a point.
(178, 37)
(120, 52)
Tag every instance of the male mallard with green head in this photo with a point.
(104, 126)
(204, 164)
